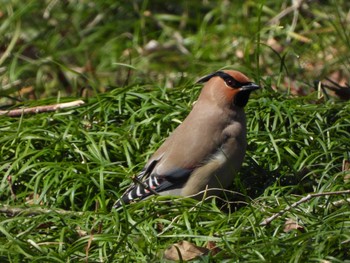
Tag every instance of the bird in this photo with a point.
(204, 153)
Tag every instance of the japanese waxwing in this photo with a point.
(206, 150)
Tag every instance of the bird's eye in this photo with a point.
(230, 82)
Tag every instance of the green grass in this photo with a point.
(66, 168)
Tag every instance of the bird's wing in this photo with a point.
(148, 183)
(187, 148)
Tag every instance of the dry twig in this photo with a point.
(305, 199)
(31, 211)
(40, 109)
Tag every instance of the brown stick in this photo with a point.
(13, 211)
(40, 109)
(302, 200)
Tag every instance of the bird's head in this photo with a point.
(231, 85)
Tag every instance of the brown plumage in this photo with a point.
(207, 149)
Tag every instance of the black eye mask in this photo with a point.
(229, 80)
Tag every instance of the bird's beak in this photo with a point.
(249, 87)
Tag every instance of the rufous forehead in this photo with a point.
(237, 76)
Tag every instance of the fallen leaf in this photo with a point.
(32, 199)
(184, 250)
(211, 245)
(275, 45)
(346, 169)
(81, 233)
(291, 225)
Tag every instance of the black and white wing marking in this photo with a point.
(148, 183)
